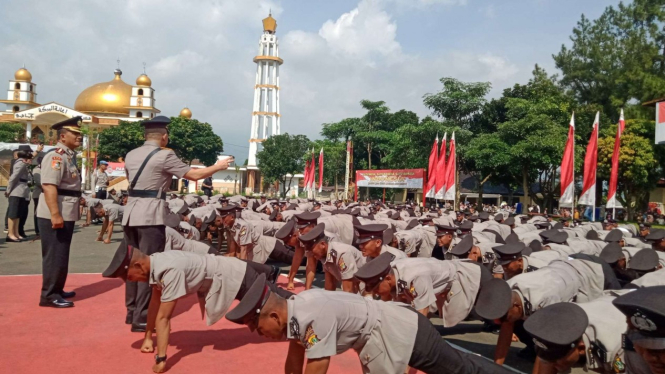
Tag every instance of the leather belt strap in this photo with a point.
(147, 194)
(69, 193)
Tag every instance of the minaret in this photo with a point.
(265, 113)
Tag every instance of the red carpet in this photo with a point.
(92, 336)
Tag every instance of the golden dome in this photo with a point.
(269, 24)
(23, 75)
(143, 80)
(110, 97)
(186, 113)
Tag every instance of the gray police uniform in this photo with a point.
(341, 225)
(175, 241)
(264, 245)
(101, 184)
(342, 260)
(58, 169)
(36, 191)
(19, 194)
(393, 251)
(602, 338)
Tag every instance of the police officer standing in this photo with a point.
(150, 169)
(58, 211)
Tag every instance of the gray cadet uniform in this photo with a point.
(342, 260)
(260, 234)
(19, 194)
(175, 241)
(101, 182)
(399, 255)
(58, 169)
(387, 336)
(36, 191)
(341, 225)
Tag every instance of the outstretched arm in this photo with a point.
(295, 358)
(317, 365)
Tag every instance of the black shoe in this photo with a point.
(274, 274)
(129, 318)
(139, 327)
(68, 295)
(56, 303)
(10, 240)
(527, 353)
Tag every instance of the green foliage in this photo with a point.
(458, 101)
(116, 141)
(281, 155)
(334, 160)
(11, 132)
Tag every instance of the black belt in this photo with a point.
(69, 193)
(23, 180)
(147, 194)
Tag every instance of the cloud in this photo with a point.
(488, 11)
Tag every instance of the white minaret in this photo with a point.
(265, 112)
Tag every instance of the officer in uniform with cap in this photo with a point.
(340, 261)
(444, 240)
(150, 169)
(450, 286)
(216, 280)
(645, 314)
(371, 241)
(511, 257)
(304, 223)
(657, 239)
(388, 337)
(58, 211)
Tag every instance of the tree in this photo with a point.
(638, 166)
(487, 158)
(281, 156)
(458, 101)
(11, 132)
(116, 141)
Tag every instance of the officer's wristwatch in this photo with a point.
(159, 359)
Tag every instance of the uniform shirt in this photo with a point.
(175, 241)
(259, 234)
(37, 179)
(340, 225)
(101, 179)
(602, 338)
(560, 281)
(655, 278)
(451, 284)
(216, 279)
(342, 260)
(392, 250)
(114, 212)
(157, 175)
(409, 241)
(59, 169)
(17, 186)
(328, 323)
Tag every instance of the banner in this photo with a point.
(588, 196)
(398, 178)
(116, 169)
(567, 167)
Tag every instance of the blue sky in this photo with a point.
(336, 52)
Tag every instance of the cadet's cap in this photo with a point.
(388, 235)
(395, 215)
(286, 230)
(644, 260)
(243, 198)
(314, 235)
(509, 221)
(306, 218)
(645, 309)
(535, 246)
(494, 299)
(645, 225)
(442, 230)
(208, 218)
(120, 262)
(463, 247)
(483, 216)
(102, 162)
(251, 304)
(497, 236)
(263, 206)
(226, 210)
(498, 217)
(24, 147)
(291, 206)
(365, 233)
(72, 124)
(425, 218)
(592, 235)
(612, 253)
(542, 224)
(273, 214)
(413, 223)
(177, 206)
(465, 226)
(158, 125)
(558, 226)
(512, 238)
(556, 329)
(656, 235)
(507, 253)
(554, 236)
(172, 220)
(614, 236)
(375, 271)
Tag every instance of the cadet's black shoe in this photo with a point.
(68, 295)
(139, 327)
(274, 274)
(129, 318)
(56, 303)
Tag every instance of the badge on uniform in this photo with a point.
(401, 286)
(243, 231)
(332, 255)
(310, 338)
(618, 365)
(342, 265)
(412, 291)
(294, 327)
(56, 164)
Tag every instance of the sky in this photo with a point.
(336, 52)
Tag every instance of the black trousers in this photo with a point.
(149, 240)
(207, 192)
(55, 257)
(101, 194)
(432, 354)
(282, 253)
(34, 215)
(253, 271)
(24, 209)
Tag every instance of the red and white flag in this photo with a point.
(614, 175)
(588, 196)
(568, 167)
(441, 170)
(320, 169)
(306, 176)
(451, 172)
(431, 169)
(312, 173)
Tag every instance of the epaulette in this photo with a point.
(60, 151)
(531, 268)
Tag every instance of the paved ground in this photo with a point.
(89, 256)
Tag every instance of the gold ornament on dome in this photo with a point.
(110, 97)
(186, 113)
(143, 80)
(269, 24)
(23, 75)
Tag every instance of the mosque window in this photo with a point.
(139, 114)
(15, 108)
(17, 86)
(140, 91)
(30, 88)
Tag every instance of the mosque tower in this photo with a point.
(265, 112)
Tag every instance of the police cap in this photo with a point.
(286, 230)
(614, 236)
(612, 253)
(120, 262)
(656, 235)
(512, 238)
(483, 216)
(509, 221)
(465, 227)
(375, 271)
(442, 230)
(556, 329)
(314, 235)
(305, 219)
(157, 125)
(494, 299)
(592, 235)
(498, 217)
(226, 210)
(542, 224)
(645, 310)
(251, 304)
(273, 214)
(388, 235)
(508, 253)
(365, 233)
(644, 260)
(71, 124)
(644, 225)
(463, 247)
(413, 223)
(535, 246)
(554, 236)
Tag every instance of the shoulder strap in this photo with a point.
(138, 174)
